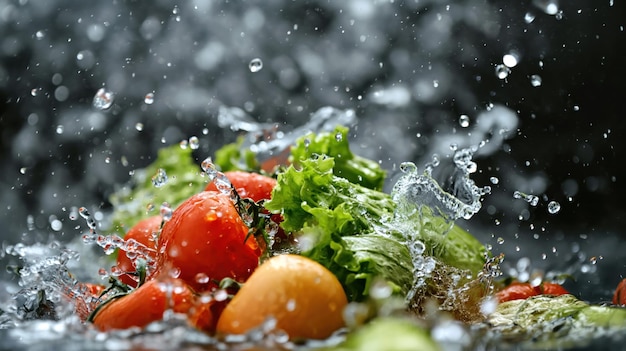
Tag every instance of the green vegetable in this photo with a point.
(388, 334)
(353, 230)
(233, 157)
(354, 168)
(554, 321)
(134, 201)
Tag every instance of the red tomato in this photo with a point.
(521, 291)
(205, 242)
(147, 304)
(619, 297)
(249, 185)
(142, 232)
(551, 289)
(516, 291)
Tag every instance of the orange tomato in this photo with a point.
(521, 291)
(142, 232)
(304, 297)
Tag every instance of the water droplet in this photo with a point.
(494, 180)
(464, 121)
(139, 127)
(529, 17)
(291, 305)
(149, 99)
(166, 212)
(510, 60)
(531, 199)
(255, 65)
(194, 143)
(160, 178)
(554, 207)
(502, 71)
(103, 99)
(535, 80)
(40, 35)
(550, 7)
(202, 278)
(339, 136)
(33, 92)
(184, 144)
(59, 129)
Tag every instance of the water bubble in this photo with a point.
(535, 80)
(103, 99)
(529, 17)
(464, 121)
(194, 143)
(510, 60)
(149, 99)
(502, 71)
(202, 278)
(554, 207)
(160, 178)
(255, 65)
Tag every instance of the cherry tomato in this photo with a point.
(206, 241)
(147, 304)
(551, 289)
(521, 291)
(619, 297)
(142, 232)
(304, 297)
(249, 185)
(516, 291)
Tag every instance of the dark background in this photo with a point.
(440, 56)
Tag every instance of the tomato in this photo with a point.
(206, 241)
(619, 297)
(304, 297)
(521, 291)
(249, 185)
(142, 232)
(516, 291)
(551, 289)
(147, 304)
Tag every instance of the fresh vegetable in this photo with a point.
(143, 233)
(305, 299)
(249, 185)
(206, 241)
(149, 302)
(553, 322)
(619, 297)
(326, 210)
(521, 291)
(388, 334)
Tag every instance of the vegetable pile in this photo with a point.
(311, 248)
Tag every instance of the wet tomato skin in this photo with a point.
(142, 232)
(205, 242)
(619, 297)
(249, 185)
(147, 304)
(516, 291)
(521, 291)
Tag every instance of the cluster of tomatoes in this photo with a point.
(202, 256)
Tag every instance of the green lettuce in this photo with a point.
(350, 229)
(354, 168)
(140, 197)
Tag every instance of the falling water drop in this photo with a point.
(255, 65)
(103, 99)
(554, 207)
(464, 121)
(149, 99)
(535, 80)
(502, 71)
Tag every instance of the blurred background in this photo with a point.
(541, 81)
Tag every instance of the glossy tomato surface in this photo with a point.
(143, 233)
(206, 241)
(249, 185)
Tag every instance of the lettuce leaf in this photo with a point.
(354, 168)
